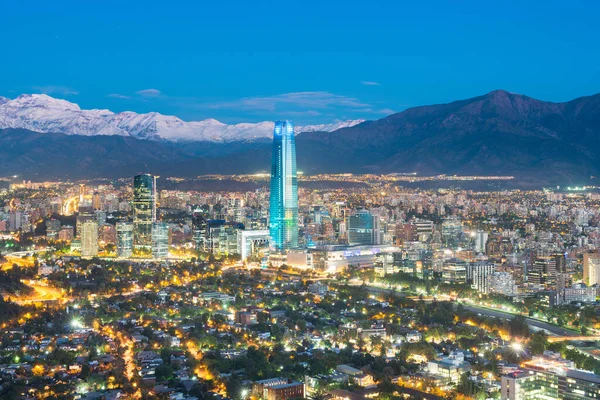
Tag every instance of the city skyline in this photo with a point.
(320, 200)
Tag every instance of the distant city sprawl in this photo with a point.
(151, 287)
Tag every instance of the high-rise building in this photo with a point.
(15, 220)
(481, 238)
(160, 240)
(144, 210)
(52, 228)
(96, 201)
(199, 226)
(89, 238)
(363, 229)
(543, 271)
(478, 275)
(283, 221)
(124, 239)
(591, 268)
(84, 214)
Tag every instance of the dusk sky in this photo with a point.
(311, 61)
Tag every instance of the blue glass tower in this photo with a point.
(283, 217)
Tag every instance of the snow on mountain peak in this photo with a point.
(43, 113)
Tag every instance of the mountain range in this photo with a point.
(42, 113)
(499, 133)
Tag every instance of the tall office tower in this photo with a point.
(591, 268)
(543, 271)
(283, 220)
(96, 201)
(124, 239)
(81, 192)
(89, 238)
(52, 228)
(85, 213)
(160, 240)
(15, 220)
(363, 229)
(199, 229)
(481, 238)
(144, 210)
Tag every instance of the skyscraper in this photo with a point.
(363, 229)
(89, 238)
(160, 240)
(283, 220)
(144, 210)
(199, 229)
(124, 239)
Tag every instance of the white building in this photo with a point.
(89, 238)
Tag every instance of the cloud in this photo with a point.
(386, 111)
(149, 92)
(310, 100)
(52, 89)
(117, 96)
(371, 83)
(308, 113)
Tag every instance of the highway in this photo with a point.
(556, 333)
(42, 294)
(533, 323)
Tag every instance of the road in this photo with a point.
(534, 323)
(555, 331)
(42, 294)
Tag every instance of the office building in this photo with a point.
(481, 238)
(160, 240)
(543, 272)
(591, 268)
(66, 233)
(478, 275)
(283, 218)
(84, 214)
(502, 283)
(96, 201)
(52, 229)
(199, 229)
(363, 229)
(124, 239)
(89, 238)
(454, 271)
(252, 242)
(549, 377)
(144, 210)
(278, 389)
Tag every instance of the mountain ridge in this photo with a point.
(43, 113)
(498, 133)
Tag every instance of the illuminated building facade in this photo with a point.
(549, 377)
(144, 210)
(199, 226)
(363, 229)
(89, 238)
(283, 219)
(124, 239)
(160, 240)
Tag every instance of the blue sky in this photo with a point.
(311, 61)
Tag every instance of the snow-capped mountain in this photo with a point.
(42, 113)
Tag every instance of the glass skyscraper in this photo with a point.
(144, 210)
(160, 240)
(124, 239)
(283, 219)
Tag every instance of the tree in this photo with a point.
(163, 373)
(538, 343)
